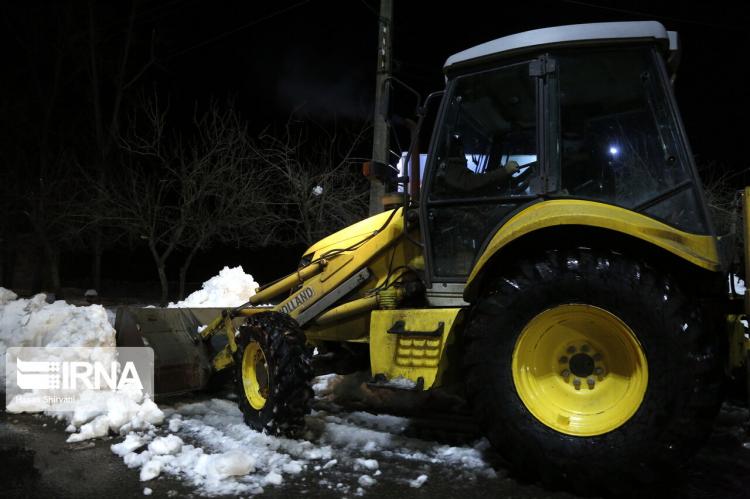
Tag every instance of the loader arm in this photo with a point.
(339, 268)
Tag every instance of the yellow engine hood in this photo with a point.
(354, 233)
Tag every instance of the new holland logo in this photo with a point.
(299, 299)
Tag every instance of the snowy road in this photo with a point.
(345, 453)
(198, 445)
(206, 444)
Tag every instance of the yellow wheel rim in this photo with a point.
(255, 375)
(580, 370)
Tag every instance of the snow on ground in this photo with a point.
(230, 288)
(206, 443)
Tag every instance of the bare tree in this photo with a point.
(229, 195)
(109, 84)
(185, 192)
(36, 187)
(317, 183)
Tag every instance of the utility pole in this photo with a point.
(380, 138)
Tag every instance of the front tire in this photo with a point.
(591, 369)
(272, 372)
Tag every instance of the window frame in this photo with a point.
(683, 150)
(521, 201)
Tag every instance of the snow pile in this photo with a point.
(35, 323)
(55, 326)
(231, 288)
(6, 296)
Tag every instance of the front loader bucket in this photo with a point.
(181, 358)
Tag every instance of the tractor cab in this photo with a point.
(581, 112)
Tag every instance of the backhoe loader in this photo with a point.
(557, 259)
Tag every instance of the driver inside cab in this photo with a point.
(456, 176)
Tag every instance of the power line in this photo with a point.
(649, 15)
(369, 7)
(237, 29)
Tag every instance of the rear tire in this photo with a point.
(272, 372)
(667, 399)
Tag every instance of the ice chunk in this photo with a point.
(418, 482)
(370, 464)
(171, 444)
(273, 478)
(220, 466)
(131, 443)
(366, 481)
(99, 427)
(292, 468)
(175, 424)
(150, 470)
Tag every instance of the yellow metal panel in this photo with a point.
(350, 329)
(699, 250)
(352, 234)
(223, 359)
(411, 357)
(368, 254)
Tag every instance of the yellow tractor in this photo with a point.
(557, 258)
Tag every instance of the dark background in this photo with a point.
(318, 57)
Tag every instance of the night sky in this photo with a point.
(321, 54)
(274, 57)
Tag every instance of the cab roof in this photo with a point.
(575, 34)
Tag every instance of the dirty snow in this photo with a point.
(418, 482)
(206, 443)
(219, 454)
(401, 383)
(230, 288)
(739, 284)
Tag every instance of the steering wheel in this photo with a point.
(519, 183)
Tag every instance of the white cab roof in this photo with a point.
(566, 34)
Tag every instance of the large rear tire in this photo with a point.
(272, 372)
(591, 369)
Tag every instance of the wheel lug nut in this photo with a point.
(590, 382)
(584, 348)
(571, 349)
(563, 359)
(565, 374)
(599, 371)
(577, 383)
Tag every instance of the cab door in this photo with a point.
(484, 164)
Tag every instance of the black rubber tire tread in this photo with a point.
(289, 369)
(685, 378)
